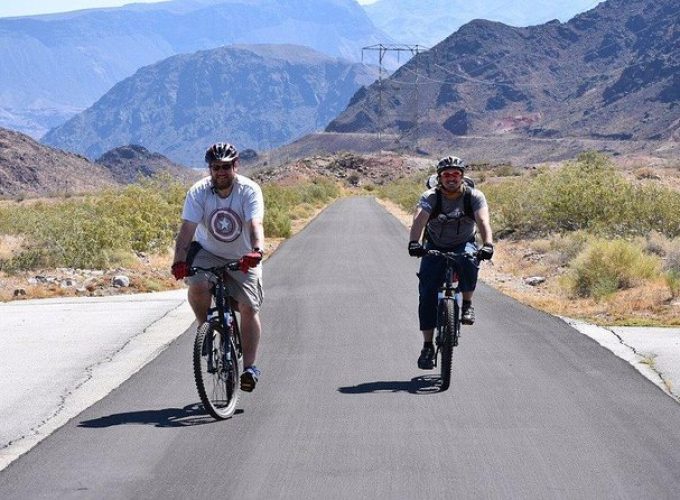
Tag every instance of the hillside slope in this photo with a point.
(612, 73)
(86, 52)
(257, 97)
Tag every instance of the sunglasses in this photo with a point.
(451, 175)
(221, 166)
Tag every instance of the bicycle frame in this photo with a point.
(218, 352)
(449, 306)
(449, 287)
(222, 308)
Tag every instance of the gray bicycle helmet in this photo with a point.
(221, 151)
(450, 162)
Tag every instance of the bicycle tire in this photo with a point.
(216, 372)
(448, 340)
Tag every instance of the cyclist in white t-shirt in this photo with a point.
(222, 220)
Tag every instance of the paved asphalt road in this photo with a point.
(536, 410)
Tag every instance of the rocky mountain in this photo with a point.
(428, 22)
(129, 164)
(54, 66)
(27, 168)
(612, 73)
(30, 169)
(257, 97)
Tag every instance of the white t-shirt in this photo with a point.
(222, 222)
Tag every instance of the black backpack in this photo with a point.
(467, 197)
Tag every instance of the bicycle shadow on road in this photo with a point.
(426, 384)
(188, 416)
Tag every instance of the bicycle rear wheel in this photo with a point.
(448, 338)
(216, 371)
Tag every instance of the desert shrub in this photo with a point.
(277, 222)
(646, 173)
(404, 192)
(103, 230)
(560, 249)
(320, 190)
(671, 267)
(568, 246)
(96, 231)
(672, 278)
(587, 194)
(507, 171)
(285, 203)
(605, 266)
(655, 243)
(511, 207)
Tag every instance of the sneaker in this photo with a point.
(249, 378)
(468, 317)
(426, 359)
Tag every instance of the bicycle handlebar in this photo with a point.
(232, 265)
(453, 255)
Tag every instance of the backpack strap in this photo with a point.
(435, 211)
(467, 203)
(437, 205)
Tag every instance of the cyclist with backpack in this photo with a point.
(447, 218)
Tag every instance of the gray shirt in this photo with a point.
(452, 227)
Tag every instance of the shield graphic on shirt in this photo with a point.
(225, 225)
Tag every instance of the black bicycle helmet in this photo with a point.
(221, 151)
(450, 162)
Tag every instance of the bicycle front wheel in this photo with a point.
(216, 371)
(449, 338)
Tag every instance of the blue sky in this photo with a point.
(27, 8)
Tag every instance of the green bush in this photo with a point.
(404, 192)
(588, 194)
(281, 203)
(605, 266)
(96, 231)
(277, 222)
(100, 231)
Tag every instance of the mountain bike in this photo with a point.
(218, 353)
(449, 306)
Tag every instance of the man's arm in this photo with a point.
(184, 237)
(420, 220)
(257, 233)
(484, 226)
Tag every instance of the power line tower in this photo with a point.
(382, 50)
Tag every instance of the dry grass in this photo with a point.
(9, 245)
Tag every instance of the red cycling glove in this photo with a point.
(251, 259)
(180, 270)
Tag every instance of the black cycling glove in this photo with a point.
(486, 252)
(415, 249)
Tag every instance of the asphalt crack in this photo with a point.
(35, 430)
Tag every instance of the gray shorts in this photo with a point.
(244, 287)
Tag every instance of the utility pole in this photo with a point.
(383, 49)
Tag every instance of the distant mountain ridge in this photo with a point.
(428, 22)
(30, 169)
(128, 164)
(257, 97)
(54, 66)
(612, 73)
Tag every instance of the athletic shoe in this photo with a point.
(468, 317)
(426, 359)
